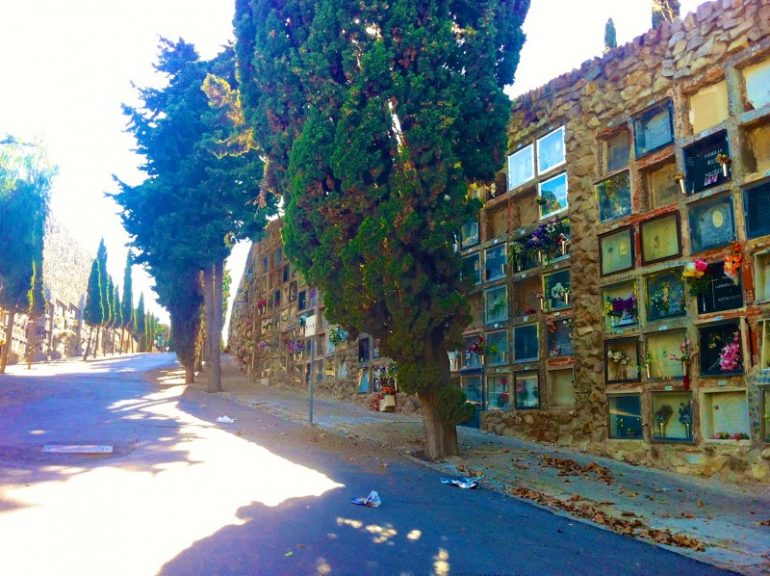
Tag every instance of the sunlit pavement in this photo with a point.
(183, 494)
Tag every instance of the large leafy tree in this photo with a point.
(374, 118)
(195, 202)
(25, 184)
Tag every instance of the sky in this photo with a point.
(68, 65)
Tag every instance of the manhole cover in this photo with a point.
(77, 449)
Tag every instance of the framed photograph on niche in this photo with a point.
(614, 197)
(707, 163)
(521, 166)
(721, 293)
(653, 128)
(756, 206)
(665, 295)
(660, 238)
(617, 251)
(712, 224)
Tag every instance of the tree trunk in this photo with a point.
(31, 342)
(189, 374)
(213, 311)
(97, 339)
(88, 344)
(440, 436)
(8, 341)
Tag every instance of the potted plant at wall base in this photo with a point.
(387, 400)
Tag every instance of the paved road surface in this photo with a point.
(184, 495)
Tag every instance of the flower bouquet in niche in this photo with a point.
(685, 358)
(696, 275)
(732, 265)
(621, 362)
(621, 311)
(730, 357)
(662, 416)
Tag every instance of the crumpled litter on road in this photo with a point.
(225, 420)
(371, 501)
(465, 483)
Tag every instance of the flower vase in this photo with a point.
(724, 169)
(566, 298)
(647, 371)
(563, 246)
(622, 372)
(682, 188)
(661, 429)
(539, 256)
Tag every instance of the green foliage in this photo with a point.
(140, 326)
(195, 202)
(25, 183)
(664, 11)
(117, 310)
(453, 405)
(610, 36)
(127, 306)
(373, 118)
(94, 312)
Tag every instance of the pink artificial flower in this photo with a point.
(701, 265)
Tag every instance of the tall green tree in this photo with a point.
(25, 185)
(140, 327)
(117, 313)
(374, 118)
(195, 202)
(610, 36)
(127, 305)
(93, 313)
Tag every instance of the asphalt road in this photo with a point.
(184, 495)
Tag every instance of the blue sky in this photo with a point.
(68, 65)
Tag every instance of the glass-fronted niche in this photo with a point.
(707, 163)
(766, 414)
(472, 268)
(469, 235)
(552, 195)
(498, 391)
(712, 224)
(719, 292)
(561, 388)
(620, 305)
(756, 79)
(526, 343)
(495, 259)
(672, 416)
(764, 361)
(653, 128)
(557, 290)
(471, 385)
(614, 195)
(721, 349)
(756, 207)
(559, 337)
(621, 360)
(472, 352)
(625, 414)
(527, 390)
(665, 353)
(665, 295)
(550, 153)
(660, 238)
(497, 348)
(725, 415)
(496, 304)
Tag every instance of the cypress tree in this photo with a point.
(127, 306)
(374, 119)
(610, 36)
(140, 326)
(93, 313)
